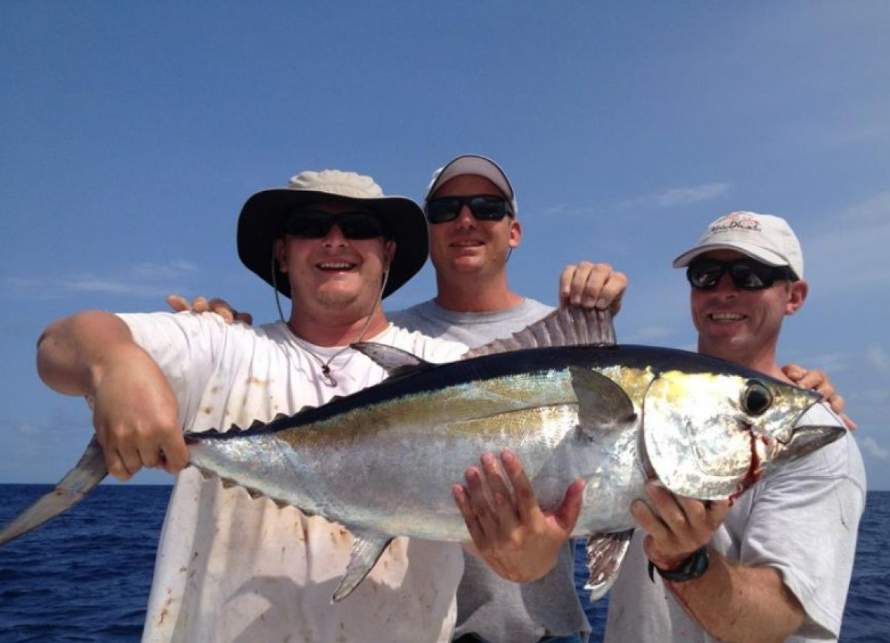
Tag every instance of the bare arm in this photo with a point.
(135, 410)
(739, 603)
(732, 602)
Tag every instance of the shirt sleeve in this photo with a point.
(183, 347)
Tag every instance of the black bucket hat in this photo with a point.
(263, 216)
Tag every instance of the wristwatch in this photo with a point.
(693, 567)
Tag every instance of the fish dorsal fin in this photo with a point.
(602, 404)
(566, 326)
(395, 361)
(605, 553)
(367, 547)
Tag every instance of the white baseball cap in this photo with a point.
(764, 237)
(475, 165)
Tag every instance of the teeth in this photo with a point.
(466, 244)
(335, 266)
(726, 316)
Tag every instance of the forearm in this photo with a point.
(737, 604)
(74, 352)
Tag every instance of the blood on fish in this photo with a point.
(754, 471)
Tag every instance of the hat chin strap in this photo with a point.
(275, 290)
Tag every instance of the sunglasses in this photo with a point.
(314, 224)
(484, 208)
(705, 274)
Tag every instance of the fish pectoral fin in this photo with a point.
(602, 404)
(367, 547)
(605, 553)
(395, 361)
(87, 473)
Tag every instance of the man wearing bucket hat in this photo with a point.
(473, 228)
(230, 567)
(776, 565)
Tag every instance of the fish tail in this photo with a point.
(89, 471)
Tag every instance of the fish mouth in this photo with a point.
(806, 439)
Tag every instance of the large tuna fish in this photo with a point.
(382, 461)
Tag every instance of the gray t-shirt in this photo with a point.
(499, 610)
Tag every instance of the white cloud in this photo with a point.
(662, 200)
(649, 334)
(174, 269)
(677, 197)
(856, 239)
(863, 133)
(563, 210)
(874, 450)
(152, 280)
(877, 357)
(874, 209)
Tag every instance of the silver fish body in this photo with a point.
(382, 461)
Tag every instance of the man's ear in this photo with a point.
(515, 233)
(279, 248)
(797, 295)
(390, 250)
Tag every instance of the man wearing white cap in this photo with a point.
(229, 567)
(472, 213)
(776, 564)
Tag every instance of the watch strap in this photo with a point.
(694, 566)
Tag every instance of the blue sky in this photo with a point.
(132, 133)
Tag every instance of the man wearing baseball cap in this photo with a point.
(229, 567)
(776, 564)
(474, 227)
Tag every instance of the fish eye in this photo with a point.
(756, 398)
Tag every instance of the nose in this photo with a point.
(334, 237)
(725, 285)
(465, 218)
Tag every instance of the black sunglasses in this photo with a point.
(483, 207)
(705, 274)
(314, 224)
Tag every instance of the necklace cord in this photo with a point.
(325, 365)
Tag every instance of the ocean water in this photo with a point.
(85, 576)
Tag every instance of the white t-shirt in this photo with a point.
(801, 521)
(232, 568)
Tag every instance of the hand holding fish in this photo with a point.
(730, 601)
(134, 408)
(135, 419)
(592, 285)
(818, 381)
(677, 527)
(510, 531)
